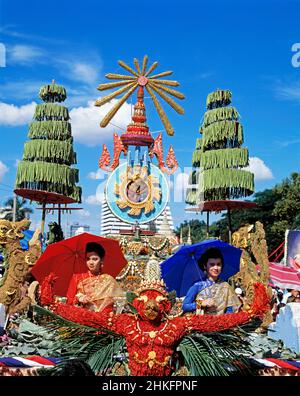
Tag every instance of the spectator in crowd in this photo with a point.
(295, 294)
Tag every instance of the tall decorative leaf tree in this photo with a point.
(45, 174)
(219, 160)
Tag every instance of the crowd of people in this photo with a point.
(281, 297)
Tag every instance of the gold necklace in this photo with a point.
(152, 333)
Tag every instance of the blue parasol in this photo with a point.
(181, 270)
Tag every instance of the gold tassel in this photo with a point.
(116, 107)
(103, 87)
(137, 65)
(113, 76)
(128, 68)
(107, 98)
(170, 101)
(145, 61)
(151, 68)
(161, 112)
(170, 91)
(171, 83)
(166, 73)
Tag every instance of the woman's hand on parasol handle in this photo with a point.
(83, 298)
(208, 303)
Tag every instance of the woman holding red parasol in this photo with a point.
(93, 290)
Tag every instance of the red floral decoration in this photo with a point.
(151, 343)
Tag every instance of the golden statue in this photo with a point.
(254, 263)
(18, 263)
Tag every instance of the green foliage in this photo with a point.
(98, 349)
(225, 158)
(50, 151)
(198, 230)
(219, 155)
(22, 211)
(53, 93)
(220, 183)
(130, 296)
(196, 158)
(46, 172)
(48, 156)
(51, 111)
(198, 144)
(220, 114)
(216, 354)
(172, 297)
(278, 210)
(222, 134)
(55, 233)
(191, 196)
(53, 130)
(219, 97)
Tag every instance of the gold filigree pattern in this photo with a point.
(151, 359)
(137, 191)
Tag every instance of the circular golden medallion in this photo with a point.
(152, 334)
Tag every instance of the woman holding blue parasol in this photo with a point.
(188, 274)
(211, 295)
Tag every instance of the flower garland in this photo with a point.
(159, 247)
(133, 268)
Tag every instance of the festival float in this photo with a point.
(144, 333)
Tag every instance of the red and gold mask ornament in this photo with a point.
(152, 305)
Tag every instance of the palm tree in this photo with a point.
(22, 211)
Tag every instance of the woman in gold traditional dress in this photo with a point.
(211, 295)
(93, 290)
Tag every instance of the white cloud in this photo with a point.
(84, 72)
(24, 54)
(85, 122)
(97, 198)
(260, 169)
(287, 143)
(93, 200)
(84, 213)
(3, 169)
(13, 115)
(75, 67)
(98, 175)
(287, 90)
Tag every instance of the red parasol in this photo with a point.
(67, 257)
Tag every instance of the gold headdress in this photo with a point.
(153, 279)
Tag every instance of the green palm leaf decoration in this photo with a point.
(216, 354)
(100, 351)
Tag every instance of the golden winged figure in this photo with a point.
(141, 78)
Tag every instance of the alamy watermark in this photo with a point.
(296, 57)
(2, 55)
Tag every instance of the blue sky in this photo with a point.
(242, 46)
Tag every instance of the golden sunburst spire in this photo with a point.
(142, 79)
